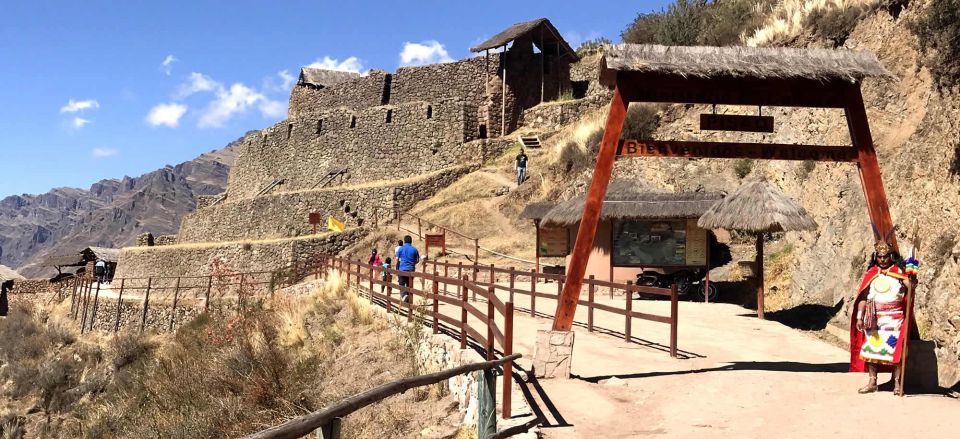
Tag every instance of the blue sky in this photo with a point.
(94, 89)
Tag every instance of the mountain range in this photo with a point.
(111, 213)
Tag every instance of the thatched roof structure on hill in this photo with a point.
(8, 274)
(627, 201)
(107, 254)
(539, 27)
(537, 210)
(63, 260)
(322, 78)
(743, 62)
(757, 207)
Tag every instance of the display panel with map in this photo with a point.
(653, 243)
(554, 241)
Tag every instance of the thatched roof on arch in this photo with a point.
(7, 273)
(550, 34)
(537, 210)
(323, 77)
(626, 201)
(758, 207)
(744, 62)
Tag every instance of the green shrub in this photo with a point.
(641, 122)
(593, 46)
(938, 32)
(743, 167)
(806, 167)
(698, 22)
(836, 23)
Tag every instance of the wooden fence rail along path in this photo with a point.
(387, 288)
(506, 280)
(304, 425)
(232, 290)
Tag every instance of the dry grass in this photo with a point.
(790, 18)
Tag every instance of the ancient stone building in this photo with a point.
(361, 148)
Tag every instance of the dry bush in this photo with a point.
(699, 22)
(128, 347)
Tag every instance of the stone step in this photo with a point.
(530, 141)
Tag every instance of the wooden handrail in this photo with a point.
(304, 425)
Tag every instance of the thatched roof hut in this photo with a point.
(757, 207)
(8, 274)
(742, 62)
(322, 78)
(95, 253)
(63, 260)
(627, 201)
(537, 29)
(537, 210)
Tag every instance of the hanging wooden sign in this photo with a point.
(736, 122)
(438, 240)
(315, 218)
(726, 150)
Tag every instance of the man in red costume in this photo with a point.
(878, 328)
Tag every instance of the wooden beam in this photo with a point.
(650, 87)
(570, 295)
(725, 150)
(869, 167)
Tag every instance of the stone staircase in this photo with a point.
(530, 141)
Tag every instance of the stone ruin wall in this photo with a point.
(355, 94)
(286, 214)
(373, 150)
(554, 115)
(198, 260)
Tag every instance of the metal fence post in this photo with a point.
(674, 320)
(173, 308)
(96, 302)
(206, 303)
(590, 290)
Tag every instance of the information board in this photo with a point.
(554, 242)
(696, 244)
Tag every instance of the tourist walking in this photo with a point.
(100, 270)
(384, 274)
(374, 258)
(396, 251)
(521, 167)
(407, 259)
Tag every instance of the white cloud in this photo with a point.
(287, 78)
(228, 103)
(79, 122)
(166, 114)
(351, 64)
(78, 106)
(427, 52)
(104, 152)
(167, 65)
(197, 83)
(575, 39)
(273, 109)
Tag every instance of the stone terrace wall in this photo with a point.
(374, 149)
(588, 70)
(434, 82)
(285, 214)
(356, 94)
(553, 115)
(196, 259)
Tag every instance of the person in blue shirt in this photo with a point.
(407, 259)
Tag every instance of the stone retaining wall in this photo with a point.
(286, 214)
(358, 93)
(250, 256)
(554, 115)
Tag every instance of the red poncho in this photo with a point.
(857, 338)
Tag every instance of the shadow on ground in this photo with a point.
(771, 366)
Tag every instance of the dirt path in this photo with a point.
(740, 377)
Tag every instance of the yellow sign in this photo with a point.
(696, 244)
(335, 225)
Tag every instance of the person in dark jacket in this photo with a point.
(521, 167)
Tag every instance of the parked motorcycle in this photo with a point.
(688, 281)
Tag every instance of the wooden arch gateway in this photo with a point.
(744, 76)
